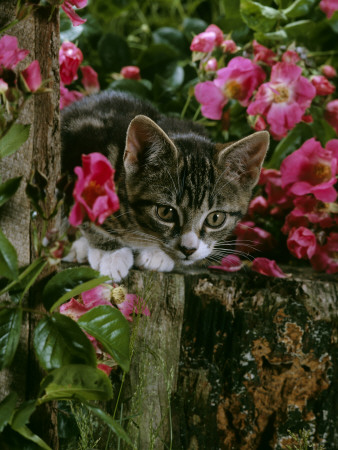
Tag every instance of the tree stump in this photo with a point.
(233, 361)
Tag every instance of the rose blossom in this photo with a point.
(260, 124)
(284, 99)
(237, 81)
(228, 45)
(90, 80)
(94, 191)
(133, 304)
(331, 114)
(131, 72)
(230, 263)
(3, 86)
(67, 6)
(310, 170)
(267, 267)
(258, 205)
(328, 7)
(290, 57)
(328, 71)
(10, 53)
(211, 65)
(322, 85)
(263, 54)
(68, 97)
(70, 58)
(251, 238)
(302, 243)
(205, 42)
(272, 182)
(32, 76)
(326, 257)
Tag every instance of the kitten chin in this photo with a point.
(180, 194)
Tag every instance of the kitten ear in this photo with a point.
(146, 141)
(244, 157)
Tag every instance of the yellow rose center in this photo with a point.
(321, 172)
(233, 89)
(282, 94)
(91, 192)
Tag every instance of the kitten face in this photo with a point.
(185, 194)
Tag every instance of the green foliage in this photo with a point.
(8, 259)
(13, 139)
(76, 381)
(7, 407)
(69, 283)
(8, 189)
(111, 329)
(10, 328)
(59, 341)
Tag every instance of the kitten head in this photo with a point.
(186, 193)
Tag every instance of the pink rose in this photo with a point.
(106, 369)
(211, 65)
(328, 7)
(32, 76)
(205, 42)
(284, 99)
(230, 263)
(3, 86)
(73, 309)
(271, 179)
(267, 267)
(67, 6)
(310, 170)
(10, 54)
(322, 85)
(331, 114)
(328, 71)
(90, 80)
(326, 257)
(263, 54)
(94, 191)
(131, 72)
(251, 238)
(70, 58)
(302, 243)
(258, 205)
(260, 124)
(290, 57)
(236, 81)
(229, 46)
(68, 97)
(133, 304)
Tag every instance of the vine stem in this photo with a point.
(119, 395)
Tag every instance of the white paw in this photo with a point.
(154, 259)
(78, 251)
(114, 264)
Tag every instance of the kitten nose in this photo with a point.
(187, 251)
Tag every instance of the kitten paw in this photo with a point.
(114, 264)
(154, 259)
(78, 251)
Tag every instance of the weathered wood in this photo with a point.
(258, 357)
(40, 35)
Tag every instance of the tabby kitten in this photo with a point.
(180, 194)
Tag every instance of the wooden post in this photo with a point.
(40, 35)
(251, 358)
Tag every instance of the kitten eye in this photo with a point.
(215, 219)
(166, 213)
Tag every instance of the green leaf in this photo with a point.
(299, 8)
(156, 58)
(113, 425)
(259, 17)
(8, 189)
(58, 341)
(7, 407)
(13, 139)
(114, 52)
(8, 259)
(333, 22)
(22, 414)
(173, 37)
(111, 329)
(273, 38)
(289, 144)
(28, 434)
(69, 283)
(132, 86)
(321, 128)
(26, 278)
(193, 26)
(10, 327)
(76, 381)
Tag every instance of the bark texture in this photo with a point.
(258, 357)
(40, 35)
